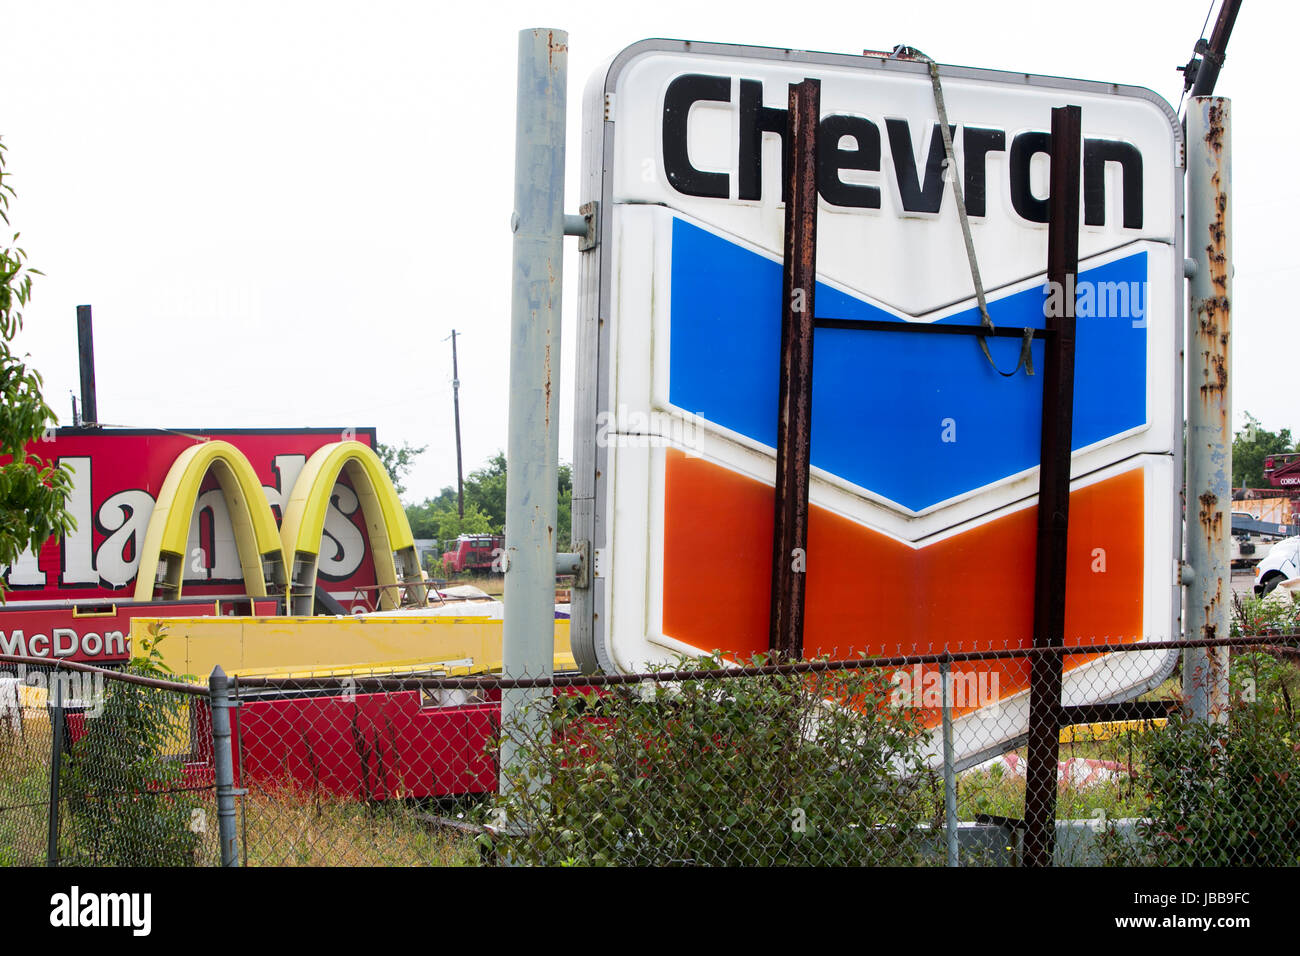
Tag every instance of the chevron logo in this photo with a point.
(914, 419)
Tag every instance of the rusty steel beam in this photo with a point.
(1124, 710)
(1209, 403)
(1207, 74)
(926, 328)
(794, 406)
(1053, 487)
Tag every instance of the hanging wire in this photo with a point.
(1187, 83)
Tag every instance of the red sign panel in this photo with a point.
(117, 475)
(98, 632)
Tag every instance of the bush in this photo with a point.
(125, 797)
(774, 770)
(1224, 794)
(1275, 614)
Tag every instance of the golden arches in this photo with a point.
(162, 558)
(391, 543)
(264, 551)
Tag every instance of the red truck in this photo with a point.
(475, 552)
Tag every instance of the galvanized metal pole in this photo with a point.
(224, 765)
(532, 455)
(1043, 744)
(1209, 402)
(949, 765)
(794, 404)
(56, 764)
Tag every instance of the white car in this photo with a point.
(1280, 564)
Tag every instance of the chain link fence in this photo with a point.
(361, 770)
(101, 768)
(1159, 755)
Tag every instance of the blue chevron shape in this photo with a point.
(917, 419)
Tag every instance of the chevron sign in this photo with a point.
(924, 457)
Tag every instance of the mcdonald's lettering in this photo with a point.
(166, 515)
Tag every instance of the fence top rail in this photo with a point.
(55, 663)
(1289, 639)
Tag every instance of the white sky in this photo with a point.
(280, 210)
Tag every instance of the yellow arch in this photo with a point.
(163, 557)
(392, 547)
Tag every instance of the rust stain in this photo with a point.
(552, 48)
(1214, 128)
(1211, 517)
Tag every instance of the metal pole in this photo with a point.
(56, 763)
(533, 444)
(949, 762)
(1209, 402)
(1207, 74)
(794, 407)
(86, 359)
(1043, 744)
(224, 764)
(455, 401)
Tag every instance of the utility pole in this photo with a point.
(455, 401)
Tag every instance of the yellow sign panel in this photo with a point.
(299, 646)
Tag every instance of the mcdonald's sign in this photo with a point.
(172, 514)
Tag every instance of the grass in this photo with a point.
(24, 791)
(291, 826)
(285, 827)
(998, 792)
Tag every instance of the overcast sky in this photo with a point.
(279, 211)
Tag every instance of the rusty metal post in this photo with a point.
(1053, 488)
(532, 446)
(794, 407)
(1209, 403)
(1217, 49)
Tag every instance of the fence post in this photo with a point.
(949, 771)
(219, 699)
(56, 762)
(1209, 403)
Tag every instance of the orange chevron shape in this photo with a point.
(867, 592)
